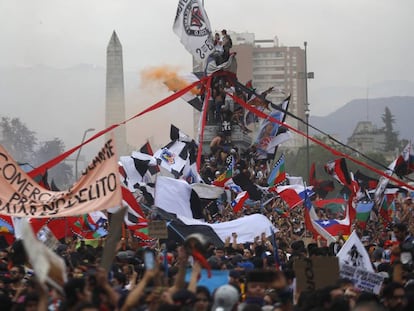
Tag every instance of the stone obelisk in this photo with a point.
(115, 97)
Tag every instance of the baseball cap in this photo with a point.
(225, 297)
(247, 265)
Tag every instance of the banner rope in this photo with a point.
(316, 141)
(51, 163)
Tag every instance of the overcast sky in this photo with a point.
(350, 42)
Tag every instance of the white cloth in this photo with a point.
(173, 196)
(247, 227)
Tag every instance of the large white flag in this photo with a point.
(173, 196)
(192, 26)
(354, 254)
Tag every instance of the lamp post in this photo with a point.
(307, 111)
(79, 151)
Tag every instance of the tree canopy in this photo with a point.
(391, 136)
(23, 145)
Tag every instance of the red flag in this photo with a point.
(60, 227)
(128, 197)
(291, 197)
(312, 175)
(338, 170)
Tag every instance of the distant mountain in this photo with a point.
(328, 99)
(64, 102)
(342, 122)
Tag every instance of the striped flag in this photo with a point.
(293, 195)
(405, 162)
(363, 211)
(339, 170)
(278, 174)
(86, 227)
(386, 209)
(238, 202)
(225, 176)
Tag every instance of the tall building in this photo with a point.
(268, 64)
(115, 95)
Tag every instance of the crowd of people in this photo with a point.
(254, 283)
(258, 279)
(260, 275)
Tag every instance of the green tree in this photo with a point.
(18, 140)
(62, 173)
(296, 163)
(376, 160)
(391, 136)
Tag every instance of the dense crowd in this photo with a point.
(256, 279)
(260, 274)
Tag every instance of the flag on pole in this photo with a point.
(339, 170)
(405, 162)
(226, 175)
(291, 197)
(192, 26)
(278, 173)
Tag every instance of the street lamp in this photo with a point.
(79, 151)
(307, 112)
(309, 75)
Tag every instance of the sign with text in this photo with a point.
(363, 280)
(316, 272)
(98, 189)
(158, 229)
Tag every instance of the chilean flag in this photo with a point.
(293, 195)
(238, 202)
(335, 226)
(328, 228)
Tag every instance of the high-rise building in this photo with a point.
(268, 64)
(115, 94)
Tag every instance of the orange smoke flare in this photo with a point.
(168, 76)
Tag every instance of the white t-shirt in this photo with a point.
(219, 47)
